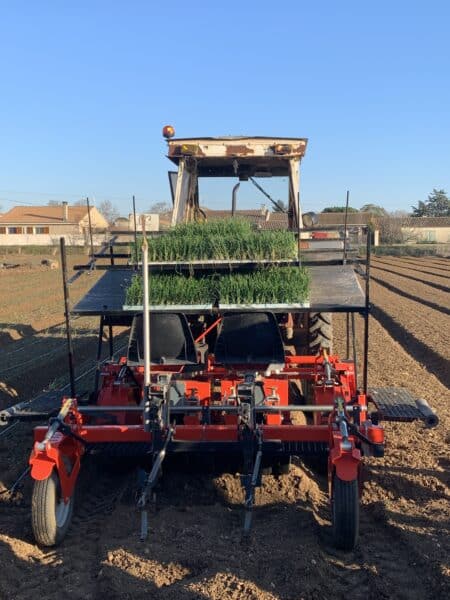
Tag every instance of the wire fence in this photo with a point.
(28, 403)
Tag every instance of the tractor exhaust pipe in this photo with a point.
(233, 200)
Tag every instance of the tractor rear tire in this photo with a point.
(50, 516)
(320, 332)
(345, 513)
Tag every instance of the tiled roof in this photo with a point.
(279, 220)
(43, 214)
(226, 214)
(256, 216)
(359, 218)
(414, 222)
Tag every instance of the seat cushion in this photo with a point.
(171, 340)
(249, 338)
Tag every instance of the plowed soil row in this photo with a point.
(418, 265)
(194, 550)
(421, 326)
(431, 261)
(420, 292)
(437, 281)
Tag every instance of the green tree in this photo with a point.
(437, 205)
(375, 209)
(339, 209)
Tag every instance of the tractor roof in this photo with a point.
(238, 155)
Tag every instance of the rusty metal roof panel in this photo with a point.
(216, 156)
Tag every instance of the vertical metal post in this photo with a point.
(355, 360)
(344, 260)
(90, 227)
(111, 254)
(99, 352)
(67, 316)
(146, 313)
(366, 311)
(299, 219)
(135, 232)
(111, 341)
(347, 346)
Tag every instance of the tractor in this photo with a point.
(251, 384)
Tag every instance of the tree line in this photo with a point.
(437, 205)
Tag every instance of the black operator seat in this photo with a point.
(171, 341)
(249, 338)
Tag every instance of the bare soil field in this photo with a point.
(32, 332)
(194, 550)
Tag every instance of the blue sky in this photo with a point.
(86, 87)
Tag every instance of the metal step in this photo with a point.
(397, 404)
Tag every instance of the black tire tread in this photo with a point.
(320, 332)
(324, 317)
(345, 513)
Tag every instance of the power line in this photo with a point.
(38, 193)
(13, 202)
(65, 195)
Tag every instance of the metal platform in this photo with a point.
(397, 404)
(333, 289)
(107, 295)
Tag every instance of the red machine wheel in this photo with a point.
(50, 515)
(345, 513)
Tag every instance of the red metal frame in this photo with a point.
(214, 385)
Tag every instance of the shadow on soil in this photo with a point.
(12, 332)
(424, 354)
(443, 476)
(420, 300)
(410, 267)
(39, 359)
(436, 286)
(195, 536)
(401, 483)
(439, 260)
(195, 550)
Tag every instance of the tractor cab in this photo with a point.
(243, 159)
(254, 160)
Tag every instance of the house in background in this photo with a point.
(44, 225)
(413, 230)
